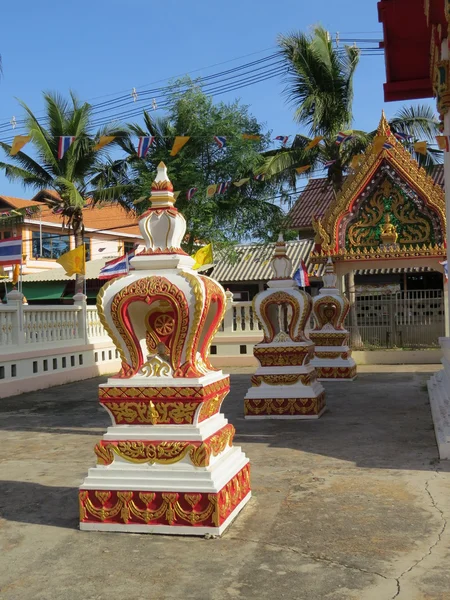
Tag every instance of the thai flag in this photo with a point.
(402, 137)
(145, 142)
(65, 141)
(222, 187)
(115, 268)
(387, 145)
(445, 265)
(191, 192)
(301, 276)
(260, 177)
(283, 139)
(343, 137)
(329, 163)
(221, 141)
(11, 251)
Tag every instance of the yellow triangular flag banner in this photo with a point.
(74, 261)
(211, 190)
(314, 142)
(15, 274)
(302, 169)
(250, 136)
(104, 141)
(175, 195)
(179, 142)
(203, 256)
(241, 181)
(378, 142)
(18, 143)
(421, 147)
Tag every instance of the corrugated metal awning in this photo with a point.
(253, 261)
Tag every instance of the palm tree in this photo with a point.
(320, 88)
(66, 184)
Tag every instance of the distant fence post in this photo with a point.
(80, 300)
(15, 300)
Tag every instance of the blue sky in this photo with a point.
(100, 47)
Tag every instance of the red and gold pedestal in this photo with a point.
(167, 464)
(332, 356)
(285, 385)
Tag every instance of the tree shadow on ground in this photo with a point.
(28, 502)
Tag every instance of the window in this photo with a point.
(53, 245)
(128, 247)
(4, 235)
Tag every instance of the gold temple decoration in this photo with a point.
(362, 243)
(388, 233)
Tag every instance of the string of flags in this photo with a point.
(145, 142)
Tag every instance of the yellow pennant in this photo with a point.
(421, 147)
(211, 190)
(378, 142)
(74, 261)
(18, 143)
(241, 181)
(104, 141)
(302, 169)
(250, 136)
(443, 142)
(176, 194)
(203, 256)
(314, 142)
(15, 274)
(179, 142)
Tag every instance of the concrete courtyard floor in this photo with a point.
(354, 506)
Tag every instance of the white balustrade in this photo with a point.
(7, 322)
(95, 329)
(44, 324)
(244, 318)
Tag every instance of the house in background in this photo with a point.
(110, 231)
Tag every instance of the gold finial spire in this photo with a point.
(383, 126)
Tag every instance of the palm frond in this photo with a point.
(417, 121)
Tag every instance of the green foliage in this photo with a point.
(242, 212)
(74, 178)
(320, 87)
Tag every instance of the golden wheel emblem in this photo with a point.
(164, 324)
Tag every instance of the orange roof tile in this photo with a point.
(107, 217)
(11, 202)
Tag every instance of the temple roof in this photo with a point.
(318, 194)
(382, 174)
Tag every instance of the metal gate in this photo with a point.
(413, 319)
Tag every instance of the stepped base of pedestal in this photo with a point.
(335, 369)
(166, 499)
(284, 408)
(168, 529)
(439, 394)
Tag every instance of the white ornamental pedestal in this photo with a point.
(285, 385)
(332, 355)
(167, 464)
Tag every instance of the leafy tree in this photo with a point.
(245, 212)
(320, 88)
(65, 184)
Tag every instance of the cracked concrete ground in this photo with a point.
(351, 507)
